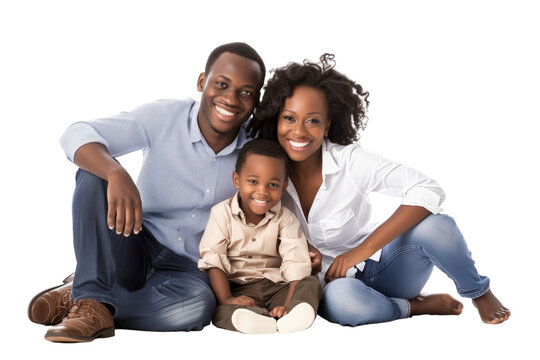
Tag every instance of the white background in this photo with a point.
(454, 93)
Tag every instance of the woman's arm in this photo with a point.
(403, 219)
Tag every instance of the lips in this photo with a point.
(298, 145)
(261, 203)
(224, 114)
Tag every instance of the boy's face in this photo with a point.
(261, 182)
(230, 91)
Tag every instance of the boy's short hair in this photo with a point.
(237, 48)
(262, 147)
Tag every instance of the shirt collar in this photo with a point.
(196, 135)
(236, 210)
(329, 165)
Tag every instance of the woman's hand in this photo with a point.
(339, 267)
(278, 312)
(316, 259)
(239, 300)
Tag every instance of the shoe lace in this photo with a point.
(81, 308)
(65, 305)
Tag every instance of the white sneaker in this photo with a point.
(301, 317)
(249, 322)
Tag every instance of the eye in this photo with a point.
(221, 85)
(288, 118)
(313, 121)
(251, 181)
(247, 93)
(274, 185)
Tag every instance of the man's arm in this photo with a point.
(123, 198)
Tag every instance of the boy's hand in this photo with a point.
(316, 259)
(239, 300)
(278, 312)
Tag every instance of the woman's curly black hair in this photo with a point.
(347, 101)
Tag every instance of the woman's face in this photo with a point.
(303, 122)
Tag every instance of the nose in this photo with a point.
(262, 189)
(298, 128)
(230, 97)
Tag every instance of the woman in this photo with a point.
(372, 274)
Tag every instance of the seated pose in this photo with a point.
(137, 246)
(255, 253)
(371, 274)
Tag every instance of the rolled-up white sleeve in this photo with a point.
(378, 174)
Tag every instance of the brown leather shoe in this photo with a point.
(50, 306)
(87, 320)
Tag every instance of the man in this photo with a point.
(137, 247)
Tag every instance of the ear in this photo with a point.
(327, 127)
(236, 180)
(285, 184)
(200, 81)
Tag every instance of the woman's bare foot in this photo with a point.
(490, 308)
(436, 304)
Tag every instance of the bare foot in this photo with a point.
(490, 308)
(436, 304)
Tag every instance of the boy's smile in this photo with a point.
(260, 183)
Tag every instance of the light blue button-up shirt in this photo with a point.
(181, 177)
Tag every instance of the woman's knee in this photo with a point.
(440, 230)
(349, 302)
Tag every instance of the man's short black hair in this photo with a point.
(237, 48)
(262, 147)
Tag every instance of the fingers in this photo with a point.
(278, 311)
(125, 218)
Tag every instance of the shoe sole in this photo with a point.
(249, 322)
(69, 338)
(301, 317)
(34, 299)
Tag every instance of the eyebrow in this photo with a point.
(227, 79)
(257, 176)
(310, 113)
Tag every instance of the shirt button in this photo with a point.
(179, 239)
(249, 256)
(193, 215)
(207, 190)
(214, 159)
(253, 239)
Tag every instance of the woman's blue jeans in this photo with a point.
(147, 286)
(381, 291)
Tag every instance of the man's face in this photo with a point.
(230, 91)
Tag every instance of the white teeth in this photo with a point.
(298, 144)
(223, 111)
(260, 201)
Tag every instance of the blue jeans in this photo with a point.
(147, 286)
(381, 291)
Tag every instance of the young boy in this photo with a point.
(255, 253)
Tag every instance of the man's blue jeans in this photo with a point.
(381, 291)
(148, 286)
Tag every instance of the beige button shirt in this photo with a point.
(275, 249)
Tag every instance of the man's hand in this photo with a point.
(124, 202)
(239, 300)
(339, 267)
(316, 259)
(278, 312)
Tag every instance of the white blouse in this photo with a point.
(338, 220)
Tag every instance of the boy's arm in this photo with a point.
(222, 290)
(281, 310)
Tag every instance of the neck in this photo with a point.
(308, 167)
(217, 141)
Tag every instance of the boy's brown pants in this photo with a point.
(268, 295)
